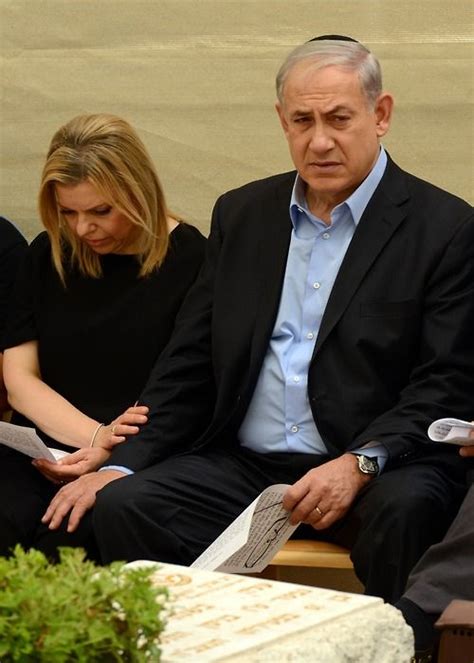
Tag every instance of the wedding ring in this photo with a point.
(318, 511)
(113, 429)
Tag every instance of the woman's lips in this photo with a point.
(95, 242)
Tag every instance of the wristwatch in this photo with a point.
(368, 465)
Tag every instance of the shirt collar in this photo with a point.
(357, 201)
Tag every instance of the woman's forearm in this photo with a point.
(50, 412)
(47, 409)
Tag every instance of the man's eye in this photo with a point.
(66, 212)
(340, 118)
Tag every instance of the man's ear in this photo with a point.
(383, 113)
(281, 115)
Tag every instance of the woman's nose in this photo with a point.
(84, 224)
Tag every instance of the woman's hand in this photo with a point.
(125, 424)
(72, 466)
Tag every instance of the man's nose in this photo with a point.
(321, 139)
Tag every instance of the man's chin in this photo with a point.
(327, 185)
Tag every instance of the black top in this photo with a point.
(12, 248)
(98, 338)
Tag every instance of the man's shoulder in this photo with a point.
(424, 194)
(280, 183)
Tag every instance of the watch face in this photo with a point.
(368, 465)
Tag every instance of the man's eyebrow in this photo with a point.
(338, 109)
(301, 113)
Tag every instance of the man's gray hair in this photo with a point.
(329, 52)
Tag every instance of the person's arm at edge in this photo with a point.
(10, 260)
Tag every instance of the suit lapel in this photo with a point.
(381, 218)
(274, 241)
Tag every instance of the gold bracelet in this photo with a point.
(95, 434)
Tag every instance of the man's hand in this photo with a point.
(77, 498)
(468, 452)
(73, 466)
(323, 495)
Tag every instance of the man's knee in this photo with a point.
(111, 500)
(420, 507)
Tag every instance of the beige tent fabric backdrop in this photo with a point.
(196, 78)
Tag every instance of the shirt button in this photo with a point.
(310, 336)
(326, 235)
(294, 429)
(296, 378)
(316, 285)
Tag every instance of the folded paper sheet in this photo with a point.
(452, 431)
(249, 544)
(26, 441)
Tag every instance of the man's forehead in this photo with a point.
(308, 70)
(330, 85)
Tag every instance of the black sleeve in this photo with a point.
(21, 324)
(181, 388)
(442, 383)
(12, 249)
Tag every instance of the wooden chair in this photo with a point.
(457, 633)
(308, 554)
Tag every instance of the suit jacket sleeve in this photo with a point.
(180, 391)
(441, 383)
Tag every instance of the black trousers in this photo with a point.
(172, 511)
(24, 497)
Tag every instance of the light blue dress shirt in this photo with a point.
(279, 418)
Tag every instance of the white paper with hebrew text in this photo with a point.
(249, 543)
(452, 431)
(26, 441)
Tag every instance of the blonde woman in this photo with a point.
(94, 305)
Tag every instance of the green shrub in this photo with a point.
(75, 611)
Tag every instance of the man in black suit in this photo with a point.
(331, 323)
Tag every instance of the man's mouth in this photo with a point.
(325, 164)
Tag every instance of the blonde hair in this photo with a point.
(106, 151)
